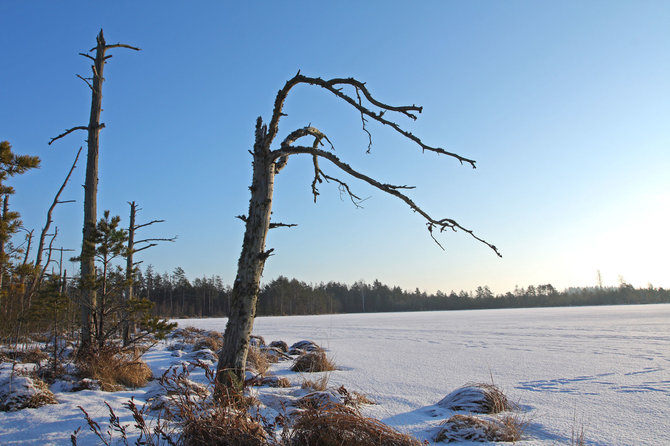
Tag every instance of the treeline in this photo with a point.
(175, 296)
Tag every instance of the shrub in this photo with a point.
(315, 361)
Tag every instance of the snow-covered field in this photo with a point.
(604, 368)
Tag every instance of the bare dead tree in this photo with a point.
(91, 184)
(269, 161)
(130, 264)
(40, 270)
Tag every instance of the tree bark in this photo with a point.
(233, 356)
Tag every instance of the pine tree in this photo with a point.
(10, 222)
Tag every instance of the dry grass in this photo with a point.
(223, 428)
(315, 361)
(467, 427)
(320, 384)
(42, 398)
(209, 341)
(115, 370)
(27, 391)
(281, 345)
(199, 338)
(29, 356)
(477, 398)
(353, 398)
(257, 360)
(203, 420)
(577, 437)
(339, 425)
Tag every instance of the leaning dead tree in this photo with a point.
(268, 161)
(88, 292)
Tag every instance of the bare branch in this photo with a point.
(272, 225)
(432, 223)
(344, 188)
(88, 55)
(49, 221)
(151, 245)
(148, 224)
(363, 120)
(317, 177)
(334, 86)
(282, 225)
(67, 132)
(85, 80)
(146, 240)
(280, 164)
(120, 45)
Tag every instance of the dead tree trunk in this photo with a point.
(87, 258)
(3, 261)
(128, 324)
(129, 275)
(267, 163)
(250, 265)
(87, 265)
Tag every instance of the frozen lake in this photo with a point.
(606, 368)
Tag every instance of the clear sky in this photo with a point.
(565, 105)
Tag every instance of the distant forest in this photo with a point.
(175, 296)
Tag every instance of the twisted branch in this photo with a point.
(335, 87)
(432, 223)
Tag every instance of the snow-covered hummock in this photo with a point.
(604, 368)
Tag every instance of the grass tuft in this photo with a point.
(320, 384)
(315, 361)
(477, 398)
(257, 360)
(337, 425)
(115, 370)
(508, 428)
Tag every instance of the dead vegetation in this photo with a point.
(337, 425)
(477, 398)
(315, 361)
(471, 428)
(115, 369)
(25, 392)
(257, 360)
(319, 384)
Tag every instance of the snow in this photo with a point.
(604, 368)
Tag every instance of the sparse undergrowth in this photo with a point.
(188, 412)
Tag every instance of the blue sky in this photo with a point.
(564, 105)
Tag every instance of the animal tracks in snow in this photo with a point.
(573, 385)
